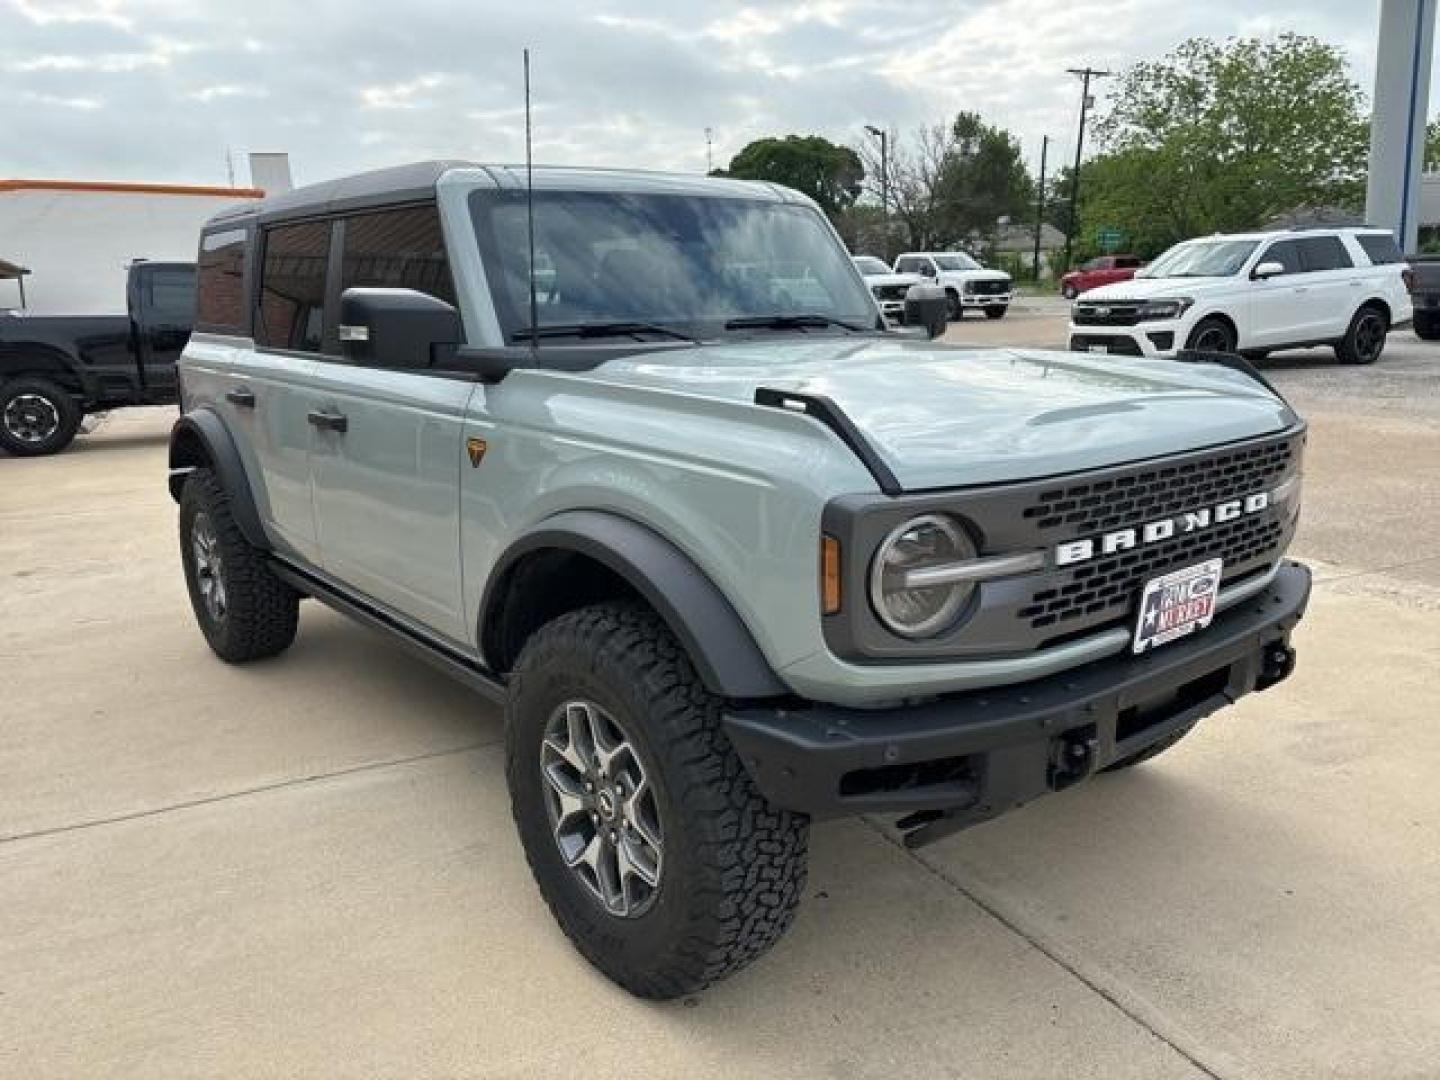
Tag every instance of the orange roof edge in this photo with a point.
(133, 189)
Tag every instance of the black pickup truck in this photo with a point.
(1425, 293)
(56, 368)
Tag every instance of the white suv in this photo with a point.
(1254, 293)
(967, 284)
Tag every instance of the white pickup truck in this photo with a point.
(967, 284)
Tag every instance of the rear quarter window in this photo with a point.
(220, 282)
(1380, 248)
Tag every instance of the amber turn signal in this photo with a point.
(829, 575)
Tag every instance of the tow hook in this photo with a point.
(1072, 757)
(1276, 664)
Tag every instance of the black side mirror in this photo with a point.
(397, 328)
(927, 306)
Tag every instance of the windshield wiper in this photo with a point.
(619, 328)
(790, 322)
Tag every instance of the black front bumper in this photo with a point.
(964, 758)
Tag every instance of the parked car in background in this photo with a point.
(56, 368)
(1425, 295)
(888, 288)
(1101, 270)
(1254, 293)
(968, 285)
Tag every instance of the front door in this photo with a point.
(386, 453)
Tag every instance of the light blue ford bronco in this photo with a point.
(635, 456)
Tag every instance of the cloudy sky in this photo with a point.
(159, 89)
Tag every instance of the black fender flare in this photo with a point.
(201, 439)
(714, 636)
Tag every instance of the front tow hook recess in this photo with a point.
(1072, 757)
(1276, 664)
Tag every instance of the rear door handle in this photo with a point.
(328, 421)
(241, 397)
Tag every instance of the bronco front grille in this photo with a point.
(1110, 585)
(1081, 509)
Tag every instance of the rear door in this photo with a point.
(1334, 286)
(388, 447)
(162, 310)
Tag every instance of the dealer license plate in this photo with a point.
(1177, 604)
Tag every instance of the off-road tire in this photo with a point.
(1211, 335)
(733, 867)
(262, 612)
(1154, 750)
(1427, 327)
(996, 312)
(1358, 345)
(66, 417)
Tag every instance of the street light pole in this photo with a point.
(884, 168)
(1040, 207)
(1086, 74)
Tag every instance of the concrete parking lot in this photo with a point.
(306, 867)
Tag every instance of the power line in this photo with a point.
(1086, 74)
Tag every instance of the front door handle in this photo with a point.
(328, 421)
(241, 397)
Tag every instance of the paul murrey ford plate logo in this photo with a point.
(1177, 604)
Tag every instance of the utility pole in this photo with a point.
(1040, 207)
(884, 168)
(1086, 74)
(709, 151)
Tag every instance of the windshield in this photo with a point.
(1213, 258)
(870, 266)
(684, 263)
(958, 261)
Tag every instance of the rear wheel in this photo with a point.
(244, 610)
(1364, 340)
(647, 838)
(36, 417)
(1211, 335)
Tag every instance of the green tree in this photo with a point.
(1432, 145)
(1220, 136)
(831, 175)
(982, 180)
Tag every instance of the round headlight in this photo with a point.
(924, 542)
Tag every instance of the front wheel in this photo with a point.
(1211, 335)
(36, 417)
(647, 838)
(995, 312)
(1364, 340)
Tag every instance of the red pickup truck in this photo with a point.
(1104, 270)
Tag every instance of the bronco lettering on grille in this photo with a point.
(1153, 532)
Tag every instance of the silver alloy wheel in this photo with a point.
(1369, 335)
(1214, 339)
(603, 812)
(31, 418)
(209, 570)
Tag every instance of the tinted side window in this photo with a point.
(905, 266)
(1324, 253)
(400, 249)
(1381, 248)
(220, 284)
(1126, 263)
(291, 313)
(1286, 253)
(170, 295)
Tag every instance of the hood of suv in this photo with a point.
(944, 416)
(1161, 288)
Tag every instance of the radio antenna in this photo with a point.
(530, 215)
